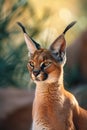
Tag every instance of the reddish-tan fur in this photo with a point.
(54, 108)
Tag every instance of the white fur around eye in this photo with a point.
(45, 64)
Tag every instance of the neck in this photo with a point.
(53, 84)
(48, 96)
(44, 87)
(53, 88)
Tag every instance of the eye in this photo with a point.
(45, 64)
(31, 64)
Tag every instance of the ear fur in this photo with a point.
(58, 47)
(31, 44)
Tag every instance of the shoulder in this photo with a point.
(71, 98)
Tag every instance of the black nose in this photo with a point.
(36, 72)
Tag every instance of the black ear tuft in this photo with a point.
(58, 47)
(22, 27)
(36, 44)
(69, 26)
(24, 31)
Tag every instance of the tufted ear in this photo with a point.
(58, 47)
(31, 44)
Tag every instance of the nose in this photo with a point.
(36, 72)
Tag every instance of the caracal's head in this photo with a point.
(46, 65)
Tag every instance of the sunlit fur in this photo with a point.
(54, 108)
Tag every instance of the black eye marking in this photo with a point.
(45, 64)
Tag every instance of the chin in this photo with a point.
(40, 78)
(46, 80)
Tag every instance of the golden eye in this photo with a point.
(31, 63)
(45, 64)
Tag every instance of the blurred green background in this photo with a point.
(44, 20)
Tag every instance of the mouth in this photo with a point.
(40, 77)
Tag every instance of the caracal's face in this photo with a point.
(46, 65)
(43, 67)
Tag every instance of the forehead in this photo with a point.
(41, 55)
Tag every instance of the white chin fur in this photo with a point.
(48, 80)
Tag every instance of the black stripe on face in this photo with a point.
(45, 76)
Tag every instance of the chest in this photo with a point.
(54, 113)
